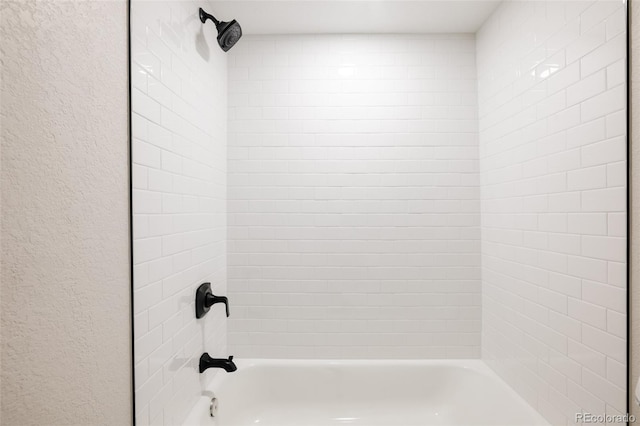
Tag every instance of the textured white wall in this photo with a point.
(179, 77)
(551, 93)
(353, 197)
(65, 306)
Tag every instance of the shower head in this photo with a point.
(228, 32)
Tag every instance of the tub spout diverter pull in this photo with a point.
(205, 299)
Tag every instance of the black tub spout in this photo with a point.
(226, 364)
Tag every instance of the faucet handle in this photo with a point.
(212, 299)
(205, 299)
(226, 304)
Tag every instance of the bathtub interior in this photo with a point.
(321, 392)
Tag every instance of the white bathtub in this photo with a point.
(368, 393)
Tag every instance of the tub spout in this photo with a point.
(207, 362)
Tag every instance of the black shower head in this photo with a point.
(228, 32)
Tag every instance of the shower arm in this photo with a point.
(204, 16)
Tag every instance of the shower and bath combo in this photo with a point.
(228, 32)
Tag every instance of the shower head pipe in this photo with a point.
(204, 16)
(228, 32)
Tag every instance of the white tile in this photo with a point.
(553, 300)
(587, 313)
(148, 343)
(139, 178)
(608, 151)
(605, 103)
(617, 225)
(159, 92)
(566, 174)
(589, 268)
(588, 178)
(593, 131)
(328, 181)
(587, 223)
(587, 88)
(179, 155)
(617, 174)
(602, 388)
(596, 13)
(593, 360)
(585, 399)
(145, 106)
(566, 325)
(146, 249)
(139, 78)
(604, 55)
(617, 274)
(617, 326)
(608, 248)
(616, 73)
(564, 78)
(604, 295)
(565, 284)
(603, 342)
(604, 200)
(587, 42)
(145, 154)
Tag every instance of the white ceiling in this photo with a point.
(355, 16)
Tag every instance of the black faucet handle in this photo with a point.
(213, 299)
(226, 305)
(205, 299)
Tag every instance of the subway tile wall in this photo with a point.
(179, 120)
(353, 191)
(552, 96)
